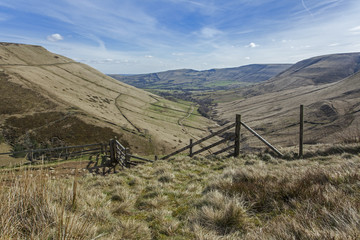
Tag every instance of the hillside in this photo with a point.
(48, 99)
(214, 79)
(332, 112)
(313, 71)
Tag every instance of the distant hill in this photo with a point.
(214, 79)
(313, 71)
(47, 99)
(328, 87)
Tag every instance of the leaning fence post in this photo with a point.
(237, 135)
(301, 134)
(191, 148)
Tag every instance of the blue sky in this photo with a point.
(142, 36)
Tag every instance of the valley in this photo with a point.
(50, 100)
(328, 86)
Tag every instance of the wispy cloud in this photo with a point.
(208, 32)
(113, 36)
(306, 8)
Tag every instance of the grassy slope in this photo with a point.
(331, 112)
(50, 84)
(252, 197)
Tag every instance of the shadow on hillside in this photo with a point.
(101, 165)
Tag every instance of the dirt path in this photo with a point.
(122, 114)
(184, 129)
(181, 120)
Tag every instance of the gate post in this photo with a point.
(112, 150)
(237, 135)
(127, 158)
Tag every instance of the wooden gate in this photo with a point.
(119, 154)
(236, 137)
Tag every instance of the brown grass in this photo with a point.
(33, 207)
(251, 197)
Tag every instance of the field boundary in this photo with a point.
(236, 137)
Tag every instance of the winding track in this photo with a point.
(118, 107)
(180, 122)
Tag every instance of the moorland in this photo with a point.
(48, 100)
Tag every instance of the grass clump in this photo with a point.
(222, 214)
(30, 210)
(203, 198)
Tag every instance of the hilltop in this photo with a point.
(51, 100)
(213, 79)
(313, 71)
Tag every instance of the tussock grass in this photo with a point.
(33, 207)
(251, 197)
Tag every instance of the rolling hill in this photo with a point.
(50, 100)
(331, 99)
(313, 71)
(214, 79)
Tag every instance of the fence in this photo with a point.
(113, 153)
(67, 152)
(236, 137)
(119, 155)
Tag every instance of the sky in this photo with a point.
(145, 36)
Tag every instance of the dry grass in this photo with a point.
(251, 197)
(33, 207)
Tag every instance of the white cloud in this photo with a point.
(252, 45)
(355, 30)
(207, 32)
(54, 37)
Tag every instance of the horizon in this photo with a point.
(139, 37)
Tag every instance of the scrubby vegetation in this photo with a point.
(42, 130)
(250, 197)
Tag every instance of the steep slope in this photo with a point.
(188, 79)
(332, 112)
(53, 100)
(314, 71)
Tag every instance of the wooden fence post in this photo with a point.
(237, 135)
(112, 150)
(102, 148)
(127, 158)
(191, 148)
(301, 134)
(31, 156)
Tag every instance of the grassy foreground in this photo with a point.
(251, 197)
